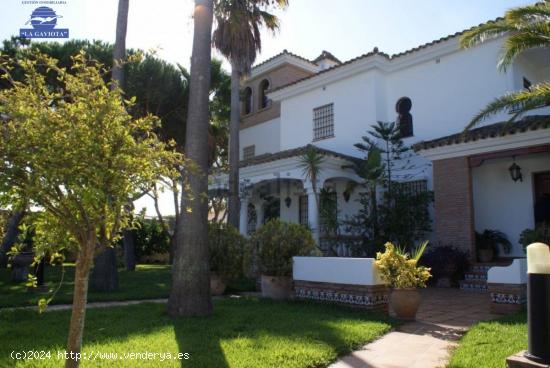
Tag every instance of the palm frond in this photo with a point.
(516, 102)
(533, 36)
(419, 251)
(483, 33)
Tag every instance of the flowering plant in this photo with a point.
(400, 270)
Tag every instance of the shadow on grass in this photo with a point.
(240, 333)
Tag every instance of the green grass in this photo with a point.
(242, 333)
(147, 282)
(488, 344)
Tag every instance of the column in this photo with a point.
(312, 212)
(243, 224)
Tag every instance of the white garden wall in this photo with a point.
(336, 270)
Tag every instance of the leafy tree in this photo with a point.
(237, 37)
(389, 212)
(190, 293)
(526, 28)
(78, 155)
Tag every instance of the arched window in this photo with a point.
(404, 118)
(264, 100)
(247, 101)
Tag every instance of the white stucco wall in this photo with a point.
(502, 204)
(265, 136)
(338, 270)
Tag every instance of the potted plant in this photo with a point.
(540, 234)
(226, 246)
(403, 274)
(275, 243)
(487, 245)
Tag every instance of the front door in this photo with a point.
(542, 197)
(272, 208)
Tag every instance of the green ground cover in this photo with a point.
(488, 344)
(243, 332)
(147, 282)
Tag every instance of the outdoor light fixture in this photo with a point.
(538, 308)
(288, 201)
(515, 172)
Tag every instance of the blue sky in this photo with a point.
(347, 28)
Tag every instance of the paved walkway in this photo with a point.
(444, 316)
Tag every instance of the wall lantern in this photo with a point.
(288, 201)
(515, 172)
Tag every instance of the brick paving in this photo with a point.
(444, 316)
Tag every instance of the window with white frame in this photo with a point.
(249, 152)
(323, 122)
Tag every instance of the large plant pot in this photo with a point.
(276, 287)
(405, 303)
(485, 255)
(217, 285)
(20, 266)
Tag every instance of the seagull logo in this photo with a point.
(43, 20)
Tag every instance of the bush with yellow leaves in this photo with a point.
(401, 270)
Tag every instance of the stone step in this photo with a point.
(474, 285)
(473, 276)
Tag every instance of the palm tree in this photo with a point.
(237, 37)
(104, 276)
(526, 28)
(311, 162)
(190, 293)
(119, 52)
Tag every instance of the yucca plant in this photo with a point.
(526, 28)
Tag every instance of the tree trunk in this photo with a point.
(105, 274)
(190, 294)
(12, 232)
(119, 52)
(233, 200)
(128, 241)
(80, 298)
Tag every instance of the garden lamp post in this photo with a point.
(538, 303)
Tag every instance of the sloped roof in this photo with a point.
(528, 123)
(326, 55)
(376, 51)
(284, 52)
(270, 157)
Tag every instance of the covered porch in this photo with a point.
(276, 186)
(495, 177)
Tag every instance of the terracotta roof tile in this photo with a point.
(501, 129)
(270, 157)
(392, 57)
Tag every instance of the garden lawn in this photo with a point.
(243, 332)
(147, 282)
(488, 344)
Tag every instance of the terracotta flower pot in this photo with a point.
(276, 287)
(405, 303)
(217, 285)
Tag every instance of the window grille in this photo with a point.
(249, 152)
(303, 212)
(323, 122)
(414, 187)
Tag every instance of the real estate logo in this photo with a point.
(43, 21)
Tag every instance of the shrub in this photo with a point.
(446, 262)
(150, 238)
(540, 234)
(491, 239)
(227, 247)
(400, 270)
(276, 242)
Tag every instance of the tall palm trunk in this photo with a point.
(119, 52)
(105, 276)
(190, 294)
(233, 200)
(10, 237)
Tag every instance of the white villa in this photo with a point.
(291, 102)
